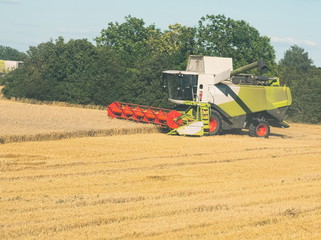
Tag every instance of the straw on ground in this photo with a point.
(154, 186)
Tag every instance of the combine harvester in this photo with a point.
(212, 97)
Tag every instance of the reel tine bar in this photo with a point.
(139, 113)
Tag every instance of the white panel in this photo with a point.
(222, 76)
(215, 65)
(192, 129)
(205, 80)
(220, 97)
(209, 65)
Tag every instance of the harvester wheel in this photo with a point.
(215, 123)
(259, 128)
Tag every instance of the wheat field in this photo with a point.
(155, 186)
(20, 121)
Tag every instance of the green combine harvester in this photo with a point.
(211, 97)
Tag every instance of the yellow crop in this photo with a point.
(30, 122)
(154, 186)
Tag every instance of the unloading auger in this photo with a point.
(211, 98)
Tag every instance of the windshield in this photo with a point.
(181, 86)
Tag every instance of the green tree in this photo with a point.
(8, 53)
(146, 52)
(178, 42)
(309, 95)
(296, 57)
(225, 37)
(306, 93)
(131, 40)
(75, 72)
(297, 72)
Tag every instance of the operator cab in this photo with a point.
(181, 85)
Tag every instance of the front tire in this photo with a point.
(215, 123)
(259, 128)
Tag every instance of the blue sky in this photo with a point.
(27, 23)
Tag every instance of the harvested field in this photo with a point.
(30, 122)
(154, 186)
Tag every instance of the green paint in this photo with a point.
(256, 99)
(188, 117)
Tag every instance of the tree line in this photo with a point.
(297, 71)
(126, 62)
(8, 53)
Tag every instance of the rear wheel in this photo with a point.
(215, 123)
(259, 128)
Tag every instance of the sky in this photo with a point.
(26, 23)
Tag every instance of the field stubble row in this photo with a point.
(154, 186)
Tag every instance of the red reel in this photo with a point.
(173, 120)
